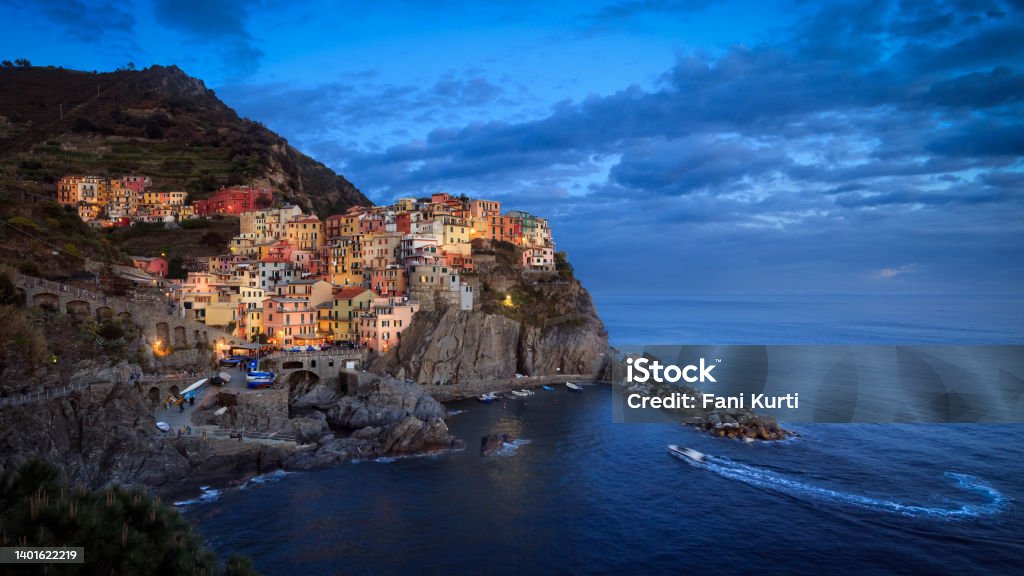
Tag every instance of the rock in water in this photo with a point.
(490, 444)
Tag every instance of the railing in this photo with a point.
(346, 354)
(48, 394)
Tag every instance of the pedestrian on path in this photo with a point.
(192, 401)
(181, 408)
(188, 430)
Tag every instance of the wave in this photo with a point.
(768, 480)
(208, 495)
(266, 478)
(510, 448)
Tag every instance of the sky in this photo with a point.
(679, 147)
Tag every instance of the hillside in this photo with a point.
(157, 122)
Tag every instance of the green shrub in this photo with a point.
(23, 223)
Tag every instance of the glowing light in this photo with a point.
(507, 302)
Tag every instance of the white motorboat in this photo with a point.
(574, 387)
(684, 453)
(520, 393)
(163, 426)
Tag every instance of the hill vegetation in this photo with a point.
(157, 122)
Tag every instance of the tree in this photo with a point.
(7, 64)
(124, 531)
(22, 62)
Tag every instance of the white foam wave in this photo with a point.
(208, 495)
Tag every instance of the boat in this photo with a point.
(487, 398)
(251, 376)
(546, 387)
(686, 454)
(520, 393)
(259, 383)
(163, 426)
(224, 376)
(574, 387)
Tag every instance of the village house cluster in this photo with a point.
(293, 280)
(120, 202)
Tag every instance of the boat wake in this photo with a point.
(768, 480)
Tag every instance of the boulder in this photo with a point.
(307, 430)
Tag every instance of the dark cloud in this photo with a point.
(86, 21)
(218, 25)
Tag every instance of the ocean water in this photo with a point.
(577, 493)
(812, 319)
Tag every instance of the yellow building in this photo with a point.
(340, 320)
(455, 230)
(306, 233)
(344, 261)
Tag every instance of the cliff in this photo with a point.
(532, 324)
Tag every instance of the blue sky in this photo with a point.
(678, 146)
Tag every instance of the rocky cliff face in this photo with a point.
(530, 324)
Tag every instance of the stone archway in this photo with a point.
(154, 395)
(179, 337)
(22, 296)
(174, 390)
(300, 382)
(163, 334)
(78, 308)
(46, 300)
(125, 317)
(104, 313)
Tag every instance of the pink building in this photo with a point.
(289, 322)
(381, 328)
(156, 266)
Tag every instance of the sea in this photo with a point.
(576, 493)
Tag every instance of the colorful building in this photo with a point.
(234, 200)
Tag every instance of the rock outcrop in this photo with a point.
(386, 417)
(522, 323)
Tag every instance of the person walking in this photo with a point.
(192, 401)
(181, 408)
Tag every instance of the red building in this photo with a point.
(234, 200)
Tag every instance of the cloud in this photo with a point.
(91, 22)
(890, 273)
(220, 25)
(865, 133)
